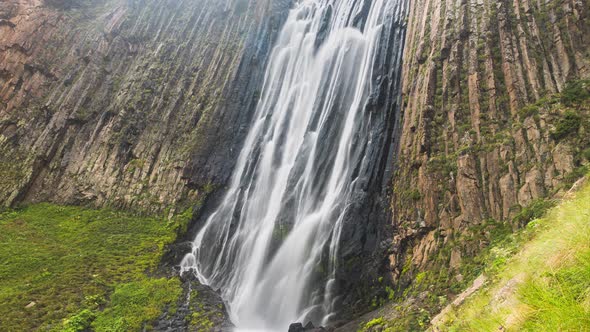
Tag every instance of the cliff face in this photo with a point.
(474, 149)
(142, 104)
(133, 104)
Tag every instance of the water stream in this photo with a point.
(271, 244)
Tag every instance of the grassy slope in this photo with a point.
(545, 286)
(80, 267)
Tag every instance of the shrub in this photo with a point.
(574, 175)
(415, 195)
(575, 92)
(373, 323)
(528, 110)
(535, 210)
(79, 322)
(570, 123)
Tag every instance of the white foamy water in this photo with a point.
(270, 246)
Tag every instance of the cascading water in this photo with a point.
(271, 244)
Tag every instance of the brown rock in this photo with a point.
(484, 61)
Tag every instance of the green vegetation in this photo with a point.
(135, 303)
(135, 164)
(430, 290)
(535, 210)
(372, 323)
(574, 175)
(200, 321)
(69, 268)
(528, 110)
(15, 168)
(545, 286)
(415, 195)
(576, 92)
(568, 124)
(550, 257)
(573, 102)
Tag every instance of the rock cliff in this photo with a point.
(133, 104)
(482, 119)
(142, 105)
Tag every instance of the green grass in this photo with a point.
(75, 267)
(560, 300)
(545, 286)
(133, 304)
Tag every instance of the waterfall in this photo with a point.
(271, 244)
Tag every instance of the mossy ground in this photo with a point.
(70, 268)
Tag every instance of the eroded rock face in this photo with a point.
(466, 149)
(133, 104)
(143, 105)
(199, 309)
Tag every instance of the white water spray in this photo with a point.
(271, 244)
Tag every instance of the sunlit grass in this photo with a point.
(545, 286)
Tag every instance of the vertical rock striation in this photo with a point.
(470, 148)
(133, 104)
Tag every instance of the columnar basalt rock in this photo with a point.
(468, 150)
(122, 103)
(143, 105)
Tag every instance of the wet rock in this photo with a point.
(325, 25)
(173, 256)
(309, 327)
(200, 309)
(296, 327)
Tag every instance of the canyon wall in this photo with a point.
(138, 105)
(480, 114)
(143, 104)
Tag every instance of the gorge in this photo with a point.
(312, 161)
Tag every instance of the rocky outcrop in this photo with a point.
(199, 309)
(475, 144)
(133, 104)
(298, 327)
